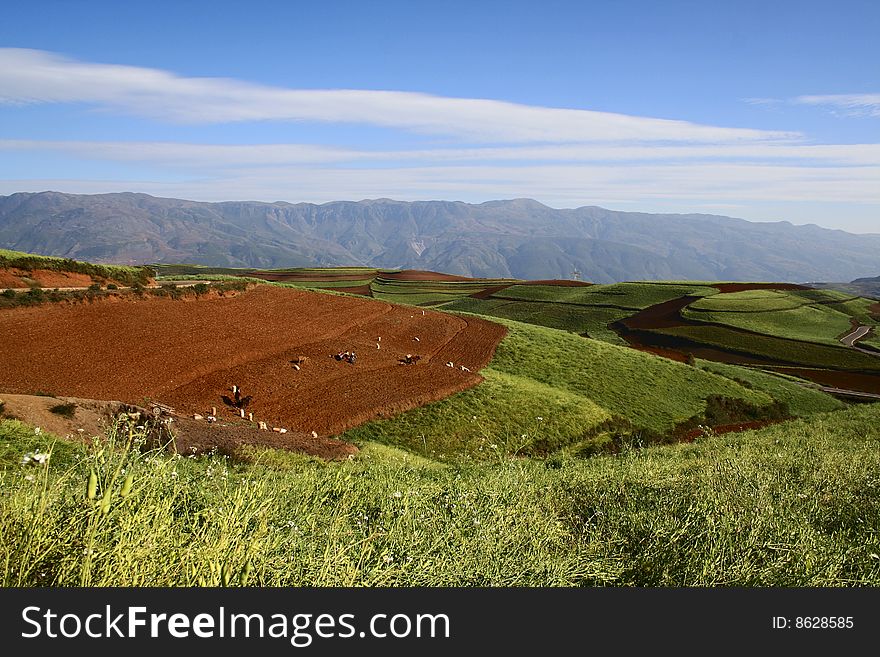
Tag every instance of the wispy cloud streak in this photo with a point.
(34, 76)
(848, 104)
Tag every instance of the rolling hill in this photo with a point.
(518, 238)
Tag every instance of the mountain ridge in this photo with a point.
(518, 238)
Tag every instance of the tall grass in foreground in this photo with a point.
(791, 505)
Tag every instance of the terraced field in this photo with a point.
(634, 296)
(814, 316)
(592, 321)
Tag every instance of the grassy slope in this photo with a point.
(790, 505)
(808, 323)
(750, 301)
(801, 400)
(651, 392)
(572, 383)
(590, 320)
(794, 315)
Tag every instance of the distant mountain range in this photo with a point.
(518, 238)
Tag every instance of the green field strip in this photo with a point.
(800, 399)
(634, 296)
(789, 351)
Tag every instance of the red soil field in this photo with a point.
(837, 379)
(693, 434)
(489, 291)
(12, 278)
(188, 354)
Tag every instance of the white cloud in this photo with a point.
(35, 76)
(848, 104)
(218, 156)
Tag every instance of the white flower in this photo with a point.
(29, 477)
(540, 419)
(38, 458)
(397, 494)
(37, 431)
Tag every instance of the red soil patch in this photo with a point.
(489, 291)
(13, 278)
(743, 287)
(196, 436)
(671, 354)
(874, 311)
(661, 315)
(693, 434)
(189, 354)
(419, 275)
(836, 378)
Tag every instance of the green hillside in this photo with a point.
(575, 386)
(620, 295)
(801, 400)
(811, 355)
(793, 505)
(821, 316)
(591, 321)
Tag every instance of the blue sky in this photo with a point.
(764, 110)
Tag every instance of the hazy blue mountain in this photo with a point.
(520, 238)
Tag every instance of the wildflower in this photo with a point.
(397, 494)
(388, 558)
(540, 419)
(29, 477)
(37, 458)
(37, 431)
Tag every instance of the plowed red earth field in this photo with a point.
(188, 354)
